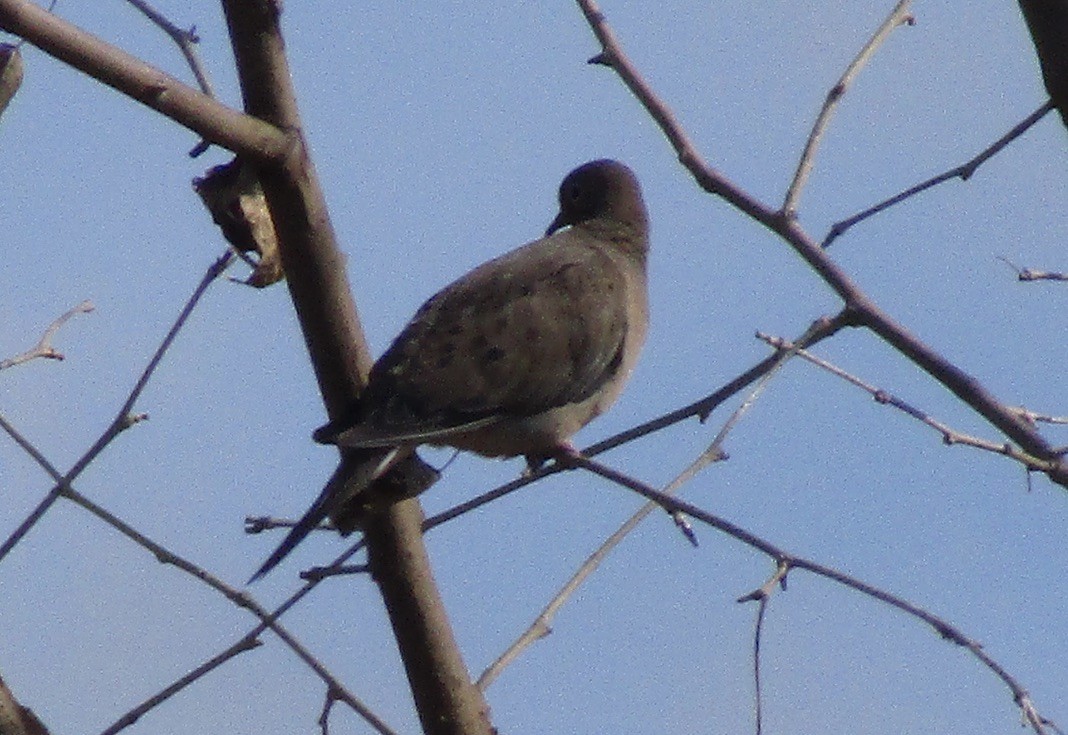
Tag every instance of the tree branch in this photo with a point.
(950, 436)
(446, 700)
(864, 310)
(44, 348)
(787, 561)
(962, 172)
(713, 453)
(898, 16)
(114, 67)
(122, 421)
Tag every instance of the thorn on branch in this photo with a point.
(130, 419)
(1030, 274)
(602, 59)
(684, 525)
(763, 592)
(258, 524)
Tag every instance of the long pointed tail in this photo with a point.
(343, 485)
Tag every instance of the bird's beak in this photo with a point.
(556, 224)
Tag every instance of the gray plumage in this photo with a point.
(517, 355)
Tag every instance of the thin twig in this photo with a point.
(239, 598)
(963, 172)
(950, 436)
(63, 488)
(542, 624)
(328, 704)
(44, 348)
(943, 628)
(898, 16)
(243, 134)
(1030, 274)
(187, 41)
(245, 644)
(763, 595)
(707, 177)
(1035, 417)
(124, 419)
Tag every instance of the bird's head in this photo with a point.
(600, 190)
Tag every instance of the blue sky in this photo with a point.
(440, 135)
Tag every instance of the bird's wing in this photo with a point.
(541, 327)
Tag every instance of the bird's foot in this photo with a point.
(564, 455)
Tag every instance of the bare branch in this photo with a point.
(239, 598)
(195, 110)
(940, 626)
(446, 700)
(186, 40)
(324, 716)
(64, 488)
(1035, 417)
(708, 178)
(701, 408)
(1029, 274)
(763, 595)
(950, 436)
(864, 311)
(44, 348)
(129, 718)
(962, 172)
(542, 624)
(898, 16)
(121, 422)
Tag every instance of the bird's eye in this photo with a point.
(574, 193)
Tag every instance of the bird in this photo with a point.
(514, 357)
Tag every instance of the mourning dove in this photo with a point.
(514, 357)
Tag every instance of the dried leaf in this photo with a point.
(10, 73)
(233, 195)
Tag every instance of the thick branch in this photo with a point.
(315, 270)
(111, 65)
(447, 700)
